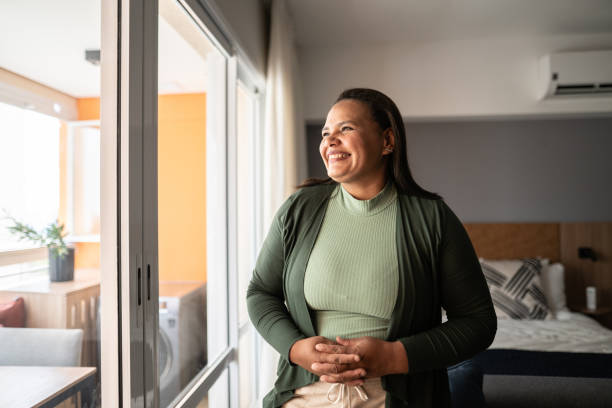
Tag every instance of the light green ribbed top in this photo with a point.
(351, 279)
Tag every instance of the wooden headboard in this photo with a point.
(558, 242)
(516, 240)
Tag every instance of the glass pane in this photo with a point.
(29, 169)
(191, 117)
(50, 172)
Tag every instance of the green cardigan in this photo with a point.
(437, 268)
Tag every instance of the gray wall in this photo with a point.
(547, 170)
(246, 21)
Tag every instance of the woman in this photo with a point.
(350, 281)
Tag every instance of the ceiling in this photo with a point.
(350, 22)
(46, 40)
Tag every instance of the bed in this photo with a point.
(543, 358)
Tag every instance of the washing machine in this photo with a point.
(182, 336)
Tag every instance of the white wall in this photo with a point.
(488, 77)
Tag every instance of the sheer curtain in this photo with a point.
(283, 147)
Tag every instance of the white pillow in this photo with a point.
(516, 289)
(553, 285)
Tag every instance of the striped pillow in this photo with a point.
(516, 289)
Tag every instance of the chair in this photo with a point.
(40, 347)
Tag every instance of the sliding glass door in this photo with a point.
(186, 202)
(175, 264)
(191, 212)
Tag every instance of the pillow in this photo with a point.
(12, 314)
(553, 284)
(516, 289)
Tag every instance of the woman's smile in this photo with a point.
(333, 157)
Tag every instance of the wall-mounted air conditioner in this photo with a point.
(577, 73)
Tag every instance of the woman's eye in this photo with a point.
(324, 134)
(346, 128)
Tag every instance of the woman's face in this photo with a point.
(352, 144)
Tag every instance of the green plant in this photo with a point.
(52, 236)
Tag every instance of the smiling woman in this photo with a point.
(354, 148)
(365, 260)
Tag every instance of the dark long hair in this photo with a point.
(386, 114)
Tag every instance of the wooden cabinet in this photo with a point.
(64, 305)
(601, 314)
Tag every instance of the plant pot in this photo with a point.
(61, 268)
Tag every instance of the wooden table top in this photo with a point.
(83, 279)
(33, 386)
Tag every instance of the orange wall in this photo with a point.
(88, 108)
(181, 188)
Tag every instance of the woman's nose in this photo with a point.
(332, 138)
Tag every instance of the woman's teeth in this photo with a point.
(339, 156)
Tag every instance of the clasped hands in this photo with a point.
(349, 361)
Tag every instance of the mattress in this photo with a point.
(576, 347)
(577, 334)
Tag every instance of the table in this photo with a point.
(27, 386)
(601, 314)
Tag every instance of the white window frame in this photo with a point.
(247, 83)
(69, 180)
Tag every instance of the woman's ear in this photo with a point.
(389, 141)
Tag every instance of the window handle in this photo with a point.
(148, 282)
(139, 288)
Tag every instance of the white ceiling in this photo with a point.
(46, 41)
(351, 22)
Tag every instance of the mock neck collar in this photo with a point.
(368, 207)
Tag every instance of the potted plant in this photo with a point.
(61, 257)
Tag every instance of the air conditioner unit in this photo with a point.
(577, 73)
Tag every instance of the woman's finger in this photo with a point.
(345, 376)
(338, 358)
(331, 348)
(344, 342)
(331, 368)
(334, 349)
(325, 368)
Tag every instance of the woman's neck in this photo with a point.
(365, 191)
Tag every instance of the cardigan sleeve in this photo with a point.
(465, 296)
(265, 295)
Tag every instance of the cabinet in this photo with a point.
(602, 314)
(64, 305)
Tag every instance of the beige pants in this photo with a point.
(318, 395)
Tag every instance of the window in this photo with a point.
(29, 182)
(29, 169)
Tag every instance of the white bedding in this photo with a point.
(577, 334)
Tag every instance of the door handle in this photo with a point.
(148, 282)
